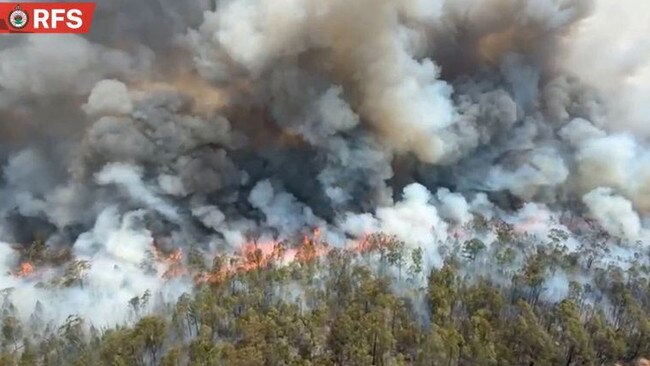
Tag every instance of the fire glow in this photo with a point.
(256, 255)
(25, 270)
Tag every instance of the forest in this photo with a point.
(339, 182)
(370, 305)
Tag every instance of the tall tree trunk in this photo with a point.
(570, 356)
(374, 349)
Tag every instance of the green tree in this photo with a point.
(151, 331)
(572, 334)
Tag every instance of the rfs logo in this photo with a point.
(18, 18)
(46, 17)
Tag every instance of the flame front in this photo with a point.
(258, 255)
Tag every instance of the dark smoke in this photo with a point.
(190, 124)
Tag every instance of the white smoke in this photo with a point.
(282, 210)
(278, 118)
(613, 212)
(130, 178)
(109, 97)
(615, 38)
(414, 220)
(50, 64)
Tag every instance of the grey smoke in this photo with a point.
(175, 125)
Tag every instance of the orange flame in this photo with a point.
(25, 270)
(176, 256)
(174, 263)
(258, 255)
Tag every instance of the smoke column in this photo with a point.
(186, 126)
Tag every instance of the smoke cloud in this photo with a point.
(173, 128)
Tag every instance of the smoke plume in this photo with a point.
(175, 128)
